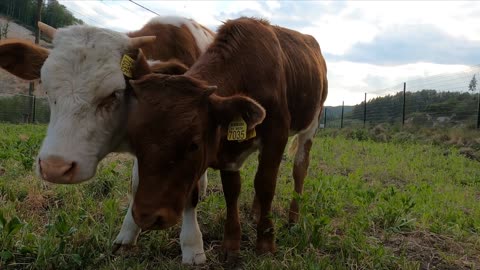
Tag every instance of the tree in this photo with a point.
(473, 84)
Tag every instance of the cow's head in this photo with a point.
(175, 128)
(86, 90)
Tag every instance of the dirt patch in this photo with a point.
(433, 251)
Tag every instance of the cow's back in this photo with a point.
(177, 37)
(306, 79)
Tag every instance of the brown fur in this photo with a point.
(172, 67)
(273, 77)
(175, 42)
(22, 58)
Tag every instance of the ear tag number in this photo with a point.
(126, 65)
(237, 131)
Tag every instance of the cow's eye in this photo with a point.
(192, 147)
(110, 99)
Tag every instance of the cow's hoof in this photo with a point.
(264, 247)
(192, 257)
(123, 250)
(231, 259)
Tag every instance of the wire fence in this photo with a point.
(445, 100)
(17, 108)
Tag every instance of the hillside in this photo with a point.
(10, 84)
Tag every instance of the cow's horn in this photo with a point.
(138, 42)
(47, 29)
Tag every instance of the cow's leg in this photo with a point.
(203, 182)
(129, 232)
(300, 166)
(191, 240)
(255, 211)
(265, 182)
(232, 234)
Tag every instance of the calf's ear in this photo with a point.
(227, 109)
(22, 58)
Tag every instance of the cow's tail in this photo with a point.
(292, 150)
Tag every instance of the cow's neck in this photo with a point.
(215, 72)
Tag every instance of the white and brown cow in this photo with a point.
(268, 83)
(89, 93)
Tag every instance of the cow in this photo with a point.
(85, 77)
(256, 85)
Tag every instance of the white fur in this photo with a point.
(191, 240)
(203, 38)
(129, 232)
(203, 185)
(304, 136)
(83, 68)
(153, 62)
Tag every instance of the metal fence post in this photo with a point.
(404, 93)
(341, 121)
(365, 111)
(34, 108)
(325, 118)
(478, 110)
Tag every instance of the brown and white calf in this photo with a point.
(254, 78)
(89, 94)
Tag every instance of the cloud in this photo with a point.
(370, 46)
(348, 81)
(414, 43)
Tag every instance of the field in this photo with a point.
(367, 205)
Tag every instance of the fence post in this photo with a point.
(478, 110)
(33, 109)
(404, 93)
(31, 88)
(365, 111)
(341, 121)
(325, 118)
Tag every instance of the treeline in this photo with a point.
(389, 108)
(25, 12)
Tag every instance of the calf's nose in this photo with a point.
(57, 170)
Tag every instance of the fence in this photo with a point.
(437, 101)
(442, 100)
(24, 109)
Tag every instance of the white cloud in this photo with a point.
(339, 26)
(349, 81)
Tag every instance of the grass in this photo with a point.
(367, 205)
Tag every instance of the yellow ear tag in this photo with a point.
(126, 65)
(237, 130)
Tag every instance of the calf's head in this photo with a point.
(175, 128)
(86, 90)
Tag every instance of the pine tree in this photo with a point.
(473, 84)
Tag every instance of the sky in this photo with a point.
(369, 46)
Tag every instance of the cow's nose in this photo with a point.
(161, 219)
(57, 170)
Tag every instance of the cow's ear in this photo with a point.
(227, 109)
(22, 58)
(172, 67)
